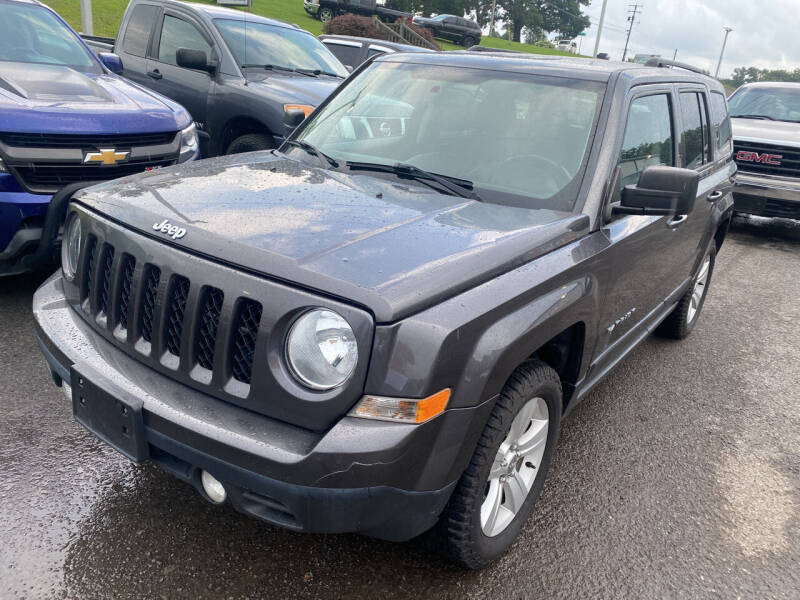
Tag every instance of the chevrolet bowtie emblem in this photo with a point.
(106, 156)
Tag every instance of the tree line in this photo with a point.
(531, 18)
(743, 75)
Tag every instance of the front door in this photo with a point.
(188, 87)
(639, 263)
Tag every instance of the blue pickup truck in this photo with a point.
(68, 120)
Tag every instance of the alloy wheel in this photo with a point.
(515, 467)
(699, 289)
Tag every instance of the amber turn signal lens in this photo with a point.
(401, 410)
(307, 110)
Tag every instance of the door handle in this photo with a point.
(676, 221)
(155, 74)
(714, 196)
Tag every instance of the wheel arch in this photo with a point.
(238, 126)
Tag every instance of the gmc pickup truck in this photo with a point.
(67, 118)
(381, 334)
(766, 140)
(246, 80)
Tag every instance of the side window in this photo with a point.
(177, 33)
(137, 32)
(648, 137)
(347, 55)
(375, 52)
(721, 122)
(695, 134)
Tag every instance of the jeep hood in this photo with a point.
(781, 133)
(389, 246)
(58, 99)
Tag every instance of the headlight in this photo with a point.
(3, 168)
(188, 143)
(321, 349)
(71, 246)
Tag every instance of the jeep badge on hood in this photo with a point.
(172, 230)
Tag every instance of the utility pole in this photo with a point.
(722, 53)
(599, 29)
(675, 54)
(87, 27)
(632, 10)
(491, 25)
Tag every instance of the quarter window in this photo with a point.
(695, 134)
(177, 33)
(137, 33)
(347, 55)
(722, 123)
(648, 137)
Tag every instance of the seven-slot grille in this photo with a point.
(161, 313)
(787, 157)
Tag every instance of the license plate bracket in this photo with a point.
(109, 413)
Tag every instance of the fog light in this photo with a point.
(213, 488)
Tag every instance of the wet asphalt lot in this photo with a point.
(679, 477)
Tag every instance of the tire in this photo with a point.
(681, 321)
(461, 530)
(325, 14)
(468, 42)
(250, 142)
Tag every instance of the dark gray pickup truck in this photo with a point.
(379, 326)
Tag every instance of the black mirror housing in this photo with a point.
(661, 191)
(189, 58)
(293, 117)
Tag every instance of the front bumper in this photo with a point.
(383, 479)
(767, 196)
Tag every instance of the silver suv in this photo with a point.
(766, 140)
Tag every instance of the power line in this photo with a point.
(632, 10)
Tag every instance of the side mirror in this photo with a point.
(112, 62)
(350, 68)
(293, 117)
(189, 58)
(660, 191)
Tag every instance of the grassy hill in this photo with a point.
(108, 13)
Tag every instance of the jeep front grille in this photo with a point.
(171, 312)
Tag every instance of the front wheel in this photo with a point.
(250, 142)
(325, 15)
(681, 321)
(497, 492)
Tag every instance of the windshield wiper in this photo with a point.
(762, 117)
(306, 72)
(456, 186)
(312, 150)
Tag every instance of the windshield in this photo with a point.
(33, 34)
(520, 139)
(278, 46)
(778, 104)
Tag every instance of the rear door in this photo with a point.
(134, 45)
(699, 151)
(190, 88)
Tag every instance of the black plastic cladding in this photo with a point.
(213, 328)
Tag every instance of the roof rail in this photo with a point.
(665, 62)
(490, 49)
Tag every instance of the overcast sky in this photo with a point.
(765, 32)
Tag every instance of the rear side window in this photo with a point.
(137, 33)
(177, 33)
(648, 137)
(695, 134)
(722, 123)
(347, 55)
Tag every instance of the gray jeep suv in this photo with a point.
(379, 326)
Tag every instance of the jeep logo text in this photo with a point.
(173, 231)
